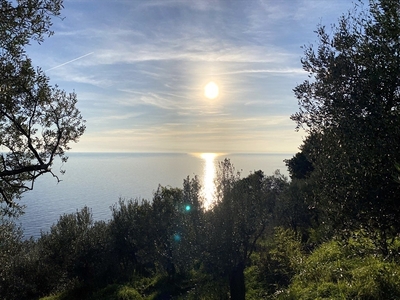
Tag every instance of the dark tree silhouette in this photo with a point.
(350, 108)
(37, 121)
(243, 211)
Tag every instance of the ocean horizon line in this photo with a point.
(181, 152)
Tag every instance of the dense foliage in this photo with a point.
(165, 248)
(332, 232)
(37, 121)
(350, 107)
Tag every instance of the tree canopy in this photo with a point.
(329, 233)
(37, 121)
(350, 108)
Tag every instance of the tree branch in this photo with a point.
(8, 201)
(41, 167)
(27, 135)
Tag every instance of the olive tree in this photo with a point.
(242, 213)
(37, 121)
(350, 108)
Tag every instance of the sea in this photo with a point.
(99, 180)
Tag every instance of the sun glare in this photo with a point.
(211, 90)
(208, 180)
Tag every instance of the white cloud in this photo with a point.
(142, 86)
(200, 50)
(294, 71)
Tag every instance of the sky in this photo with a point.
(139, 69)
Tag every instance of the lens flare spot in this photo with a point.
(177, 237)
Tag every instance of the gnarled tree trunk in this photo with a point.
(236, 283)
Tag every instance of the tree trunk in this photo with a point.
(236, 283)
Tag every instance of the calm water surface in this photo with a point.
(98, 180)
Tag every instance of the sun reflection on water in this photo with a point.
(208, 189)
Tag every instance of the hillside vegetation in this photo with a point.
(330, 232)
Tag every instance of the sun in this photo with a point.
(211, 90)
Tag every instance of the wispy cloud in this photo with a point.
(269, 71)
(144, 65)
(198, 51)
(204, 5)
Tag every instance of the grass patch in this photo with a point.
(334, 272)
(111, 292)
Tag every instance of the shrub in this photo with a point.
(274, 264)
(350, 271)
(128, 293)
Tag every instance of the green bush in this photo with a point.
(10, 251)
(111, 292)
(77, 248)
(275, 262)
(128, 293)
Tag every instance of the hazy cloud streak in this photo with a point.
(70, 61)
